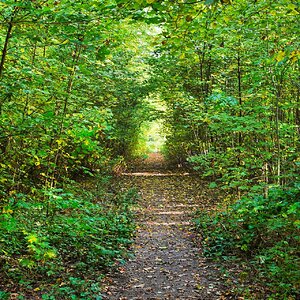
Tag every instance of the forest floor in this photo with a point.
(167, 263)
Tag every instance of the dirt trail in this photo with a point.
(166, 263)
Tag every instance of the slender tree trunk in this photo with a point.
(277, 137)
(76, 55)
(208, 72)
(34, 54)
(266, 179)
(297, 112)
(201, 57)
(5, 48)
(4, 51)
(6, 41)
(278, 87)
(239, 75)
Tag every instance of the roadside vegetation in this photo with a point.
(233, 115)
(78, 85)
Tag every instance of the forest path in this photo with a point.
(166, 263)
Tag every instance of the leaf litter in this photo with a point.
(166, 262)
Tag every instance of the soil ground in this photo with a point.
(167, 264)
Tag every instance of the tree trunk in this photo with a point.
(6, 41)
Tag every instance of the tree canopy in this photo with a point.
(75, 82)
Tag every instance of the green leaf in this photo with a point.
(103, 52)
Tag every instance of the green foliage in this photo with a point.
(58, 234)
(264, 230)
(72, 86)
(74, 82)
(72, 90)
(4, 295)
(230, 90)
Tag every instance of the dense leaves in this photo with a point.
(231, 90)
(72, 83)
(264, 230)
(230, 81)
(61, 237)
(77, 85)
(71, 90)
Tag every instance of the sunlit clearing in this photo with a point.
(154, 136)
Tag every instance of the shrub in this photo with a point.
(56, 235)
(263, 230)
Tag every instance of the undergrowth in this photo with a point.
(263, 232)
(58, 243)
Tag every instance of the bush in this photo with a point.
(55, 235)
(263, 230)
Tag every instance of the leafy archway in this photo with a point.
(75, 83)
